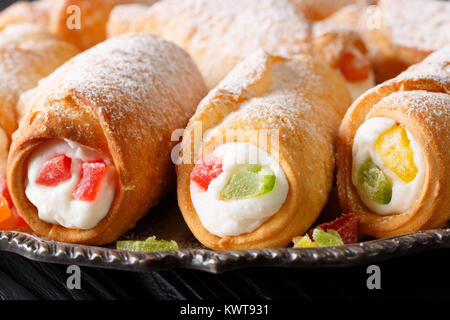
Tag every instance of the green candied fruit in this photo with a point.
(327, 239)
(374, 183)
(249, 181)
(149, 245)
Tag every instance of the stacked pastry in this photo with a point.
(93, 150)
(80, 22)
(393, 152)
(219, 34)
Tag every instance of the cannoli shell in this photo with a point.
(419, 100)
(304, 100)
(28, 53)
(80, 22)
(124, 98)
(398, 33)
(221, 34)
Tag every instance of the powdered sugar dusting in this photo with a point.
(279, 28)
(422, 24)
(220, 34)
(436, 66)
(433, 107)
(127, 80)
(27, 53)
(123, 16)
(276, 94)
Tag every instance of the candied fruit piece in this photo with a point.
(354, 68)
(7, 218)
(304, 242)
(91, 177)
(249, 181)
(19, 223)
(207, 170)
(55, 170)
(149, 245)
(394, 148)
(374, 183)
(5, 192)
(346, 226)
(327, 238)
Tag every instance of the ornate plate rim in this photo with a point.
(43, 250)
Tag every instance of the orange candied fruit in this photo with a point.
(394, 148)
(354, 68)
(7, 218)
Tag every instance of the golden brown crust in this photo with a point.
(303, 99)
(25, 12)
(364, 20)
(113, 98)
(122, 18)
(419, 100)
(398, 33)
(245, 27)
(28, 53)
(94, 16)
(80, 22)
(415, 28)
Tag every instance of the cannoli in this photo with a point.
(264, 168)
(393, 152)
(92, 153)
(80, 22)
(416, 28)
(27, 54)
(219, 34)
(398, 33)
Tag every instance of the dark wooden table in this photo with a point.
(417, 276)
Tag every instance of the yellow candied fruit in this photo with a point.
(304, 242)
(393, 146)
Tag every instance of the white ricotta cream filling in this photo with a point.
(4, 141)
(55, 204)
(358, 88)
(235, 217)
(404, 194)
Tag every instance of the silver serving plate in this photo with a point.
(166, 222)
(373, 251)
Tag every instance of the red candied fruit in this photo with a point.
(354, 68)
(17, 221)
(55, 170)
(207, 170)
(346, 226)
(92, 173)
